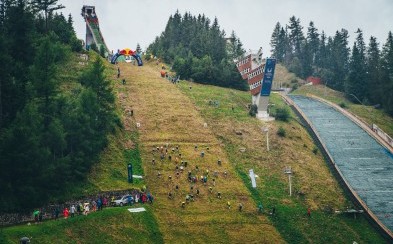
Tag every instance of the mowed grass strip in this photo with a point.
(313, 185)
(167, 116)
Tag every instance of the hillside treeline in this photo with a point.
(364, 72)
(53, 122)
(198, 50)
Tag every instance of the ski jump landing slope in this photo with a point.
(363, 163)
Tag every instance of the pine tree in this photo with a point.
(373, 66)
(95, 79)
(18, 31)
(296, 36)
(234, 47)
(339, 59)
(44, 75)
(306, 60)
(387, 74)
(322, 53)
(356, 84)
(284, 50)
(274, 40)
(46, 6)
(313, 41)
(190, 43)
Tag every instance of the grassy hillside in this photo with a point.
(173, 117)
(167, 116)
(285, 78)
(113, 225)
(368, 113)
(312, 180)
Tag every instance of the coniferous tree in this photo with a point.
(234, 47)
(18, 34)
(275, 40)
(199, 50)
(44, 75)
(49, 136)
(296, 36)
(284, 50)
(279, 43)
(387, 74)
(339, 59)
(95, 80)
(356, 84)
(373, 67)
(313, 41)
(46, 6)
(306, 60)
(322, 52)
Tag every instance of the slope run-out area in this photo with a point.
(169, 119)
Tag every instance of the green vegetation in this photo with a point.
(55, 113)
(281, 113)
(76, 133)
(198, 50)
(281, 132)
(253, 110)
(313, 184)
(112, 225)
(363, 73)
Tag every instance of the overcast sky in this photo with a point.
(124, 23)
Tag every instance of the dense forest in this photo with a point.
(54, 120)
(198, 50)
(363, 73)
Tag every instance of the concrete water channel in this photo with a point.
(364, 164)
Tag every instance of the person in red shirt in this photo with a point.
(66, 213)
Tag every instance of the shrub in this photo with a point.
(282, 114)
(253, 110)
(315, 150)
(343, 105)
(281, 132)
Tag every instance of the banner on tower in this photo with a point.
(268, 76)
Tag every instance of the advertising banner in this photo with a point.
(268, 76)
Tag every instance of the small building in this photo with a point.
(314, 80)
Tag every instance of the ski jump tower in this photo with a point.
(93, 32)
(259, 74)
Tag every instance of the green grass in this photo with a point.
(294, 150)
(368, 113)
(177, 117)
(112, 225)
